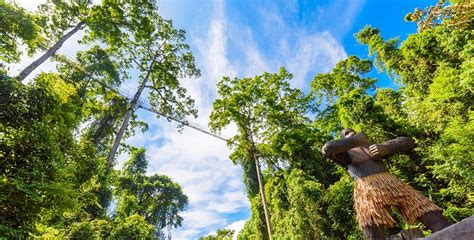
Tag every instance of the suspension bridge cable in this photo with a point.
(149, 109)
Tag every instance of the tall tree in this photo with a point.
(155, 198)
(95, 75)
(260, 107)
(77, 110)
(150, 45)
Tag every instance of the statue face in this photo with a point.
(347, 133)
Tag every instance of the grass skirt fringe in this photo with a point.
(375, 194)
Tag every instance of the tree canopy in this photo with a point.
(60, 132)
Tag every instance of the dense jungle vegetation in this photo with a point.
(60, 131)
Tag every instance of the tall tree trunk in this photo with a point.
(262, 192)
(253, 154)
(51, 51)
(126, 121)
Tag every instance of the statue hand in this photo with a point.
(379, 150)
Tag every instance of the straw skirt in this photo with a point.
(375, 194)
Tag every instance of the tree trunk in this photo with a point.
(262, 192)
(261, 186)
(51, 51)
(126, 121)
(253, 155)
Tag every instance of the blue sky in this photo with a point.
(245, 38)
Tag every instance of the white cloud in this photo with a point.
(237, 227)
(314, 53)
(212, 49)
(341, 13)
(185, 234)
(256, 62)
(199, 164)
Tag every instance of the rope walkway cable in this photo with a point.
(185, 123)
(149, 109)
(182, 122)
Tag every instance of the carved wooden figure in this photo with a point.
(376, 190)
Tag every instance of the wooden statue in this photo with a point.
(376, 190)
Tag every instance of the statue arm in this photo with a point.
(342, 145)
(390, 147)
(342, 158)
(335, 150)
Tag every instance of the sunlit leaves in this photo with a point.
(16, 26)
(37, 146)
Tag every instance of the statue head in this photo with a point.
(347, 132)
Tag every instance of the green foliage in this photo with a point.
(156, 198)
(261, 107)
(81, 230)
(338, 216)
(100, 110)
(434, 67)
(34, 154)
(302, 208)
(458, 14)
(56, 17)
(344, 78)
(56, 131)
(140, 39)
(452, 155)
(343, 100)
(16, 26)
(53, 182)
(133, 227)
(294, 200)
(222, 234)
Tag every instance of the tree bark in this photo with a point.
(253, 155)
(51, 51)
(264, 199)
(126, 121)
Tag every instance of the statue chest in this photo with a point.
(360, 154)
(363, 164)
